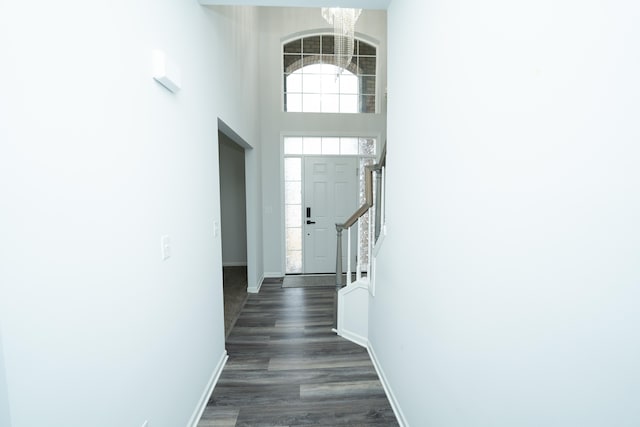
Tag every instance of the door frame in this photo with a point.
(374, 135)
(251, 192)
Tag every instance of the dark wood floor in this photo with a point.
(286, 367)
(234, 285)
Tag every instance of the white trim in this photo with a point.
(361, 284)
(234, 263)
(281, 209)
(273, 275)
(256, 289)
(325, 31)
(331, 134)
(383, 198)
(355, 338)
(204, 399)
(372, 276)
(383, 233)
(348, 278)
(378, 245)
(395, 405)
(383, 217)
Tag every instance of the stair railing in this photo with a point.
(369, 202)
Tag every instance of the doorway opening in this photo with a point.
(233, 213)
(323, 184)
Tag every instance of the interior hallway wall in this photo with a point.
(5, 415)
(508, 283)
(233, 202)
(276, 24)
(97, 162)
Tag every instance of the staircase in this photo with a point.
(352, 298)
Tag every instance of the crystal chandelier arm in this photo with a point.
(344, 22)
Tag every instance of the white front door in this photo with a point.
(330, 196)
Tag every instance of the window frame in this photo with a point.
(325, 32)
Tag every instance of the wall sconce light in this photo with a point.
(165, 71)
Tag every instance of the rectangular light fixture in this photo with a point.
(165, 71)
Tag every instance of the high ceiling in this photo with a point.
(363, 4)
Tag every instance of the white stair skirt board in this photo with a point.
(387, 388)
(353, 312)
(206, 395)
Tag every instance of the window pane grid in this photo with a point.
(311, 44)
(293, 205)
(310, 83)
(327, 145)
(294, 46)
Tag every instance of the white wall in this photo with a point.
(508, 284)
(233, 210)
(5, 415)
(97, 161)
(278, 24)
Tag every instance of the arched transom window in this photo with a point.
(312, 83)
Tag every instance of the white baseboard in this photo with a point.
(387, 388)
(256, 289)
(355, 338)
(206, 395)
(234, 263)
(272, 275)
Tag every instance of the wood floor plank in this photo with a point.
(303, 377)
(330, 412)
(319, 362)
(219, 417)
(287, 368)
(341, 389)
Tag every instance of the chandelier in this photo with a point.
(344, 22)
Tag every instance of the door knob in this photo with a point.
(310, 222)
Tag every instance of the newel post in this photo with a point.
(338, 276)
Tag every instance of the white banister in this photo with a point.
(372, 219)
(358, 257)
(370, 171)
(348, 281)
